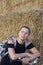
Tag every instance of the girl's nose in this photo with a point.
(23, 34)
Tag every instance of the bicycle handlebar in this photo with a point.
(34, 61)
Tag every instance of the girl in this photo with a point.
(19, 51)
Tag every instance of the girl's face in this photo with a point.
(23, 33)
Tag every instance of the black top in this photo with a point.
(21, 48)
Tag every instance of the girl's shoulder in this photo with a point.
(27, 43)
(10, 41)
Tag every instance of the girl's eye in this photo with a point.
(26, 33)
(22, 31)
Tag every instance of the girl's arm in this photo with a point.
(12, 53)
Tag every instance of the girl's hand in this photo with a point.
(28, 54)
(25, 60)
